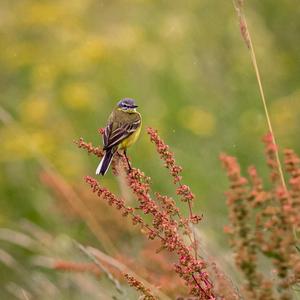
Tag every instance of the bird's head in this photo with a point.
(127, 105)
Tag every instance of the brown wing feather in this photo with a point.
(107, 132)
(121, 133)
(116, 132)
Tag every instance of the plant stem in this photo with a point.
(247, 38)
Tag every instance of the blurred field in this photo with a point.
(64, 65)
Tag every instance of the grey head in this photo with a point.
(127, 104)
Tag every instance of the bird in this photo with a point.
(122, 130)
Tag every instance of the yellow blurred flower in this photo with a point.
(93, 48)
(197, 120)
(35, 110)
(78, 96)
(18, 144)
(41, 13)
(87, 53)
(285, 114)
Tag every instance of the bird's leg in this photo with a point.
(129, 166)
(118, 154)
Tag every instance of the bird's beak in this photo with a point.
(135, 106)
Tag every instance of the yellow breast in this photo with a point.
(130, 140)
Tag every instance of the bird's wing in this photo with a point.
(113, 137)
(107, 132)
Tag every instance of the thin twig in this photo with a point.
(100, 256)
(238, 5)
(195, 242)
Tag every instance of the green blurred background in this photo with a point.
(64, 65)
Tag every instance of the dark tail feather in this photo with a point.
(105, 162)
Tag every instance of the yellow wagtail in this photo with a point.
(122, 130)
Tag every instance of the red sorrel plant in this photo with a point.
(147, 295)
(263, 228)
(167, 225)
(264, 224)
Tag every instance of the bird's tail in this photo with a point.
(105, 162)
